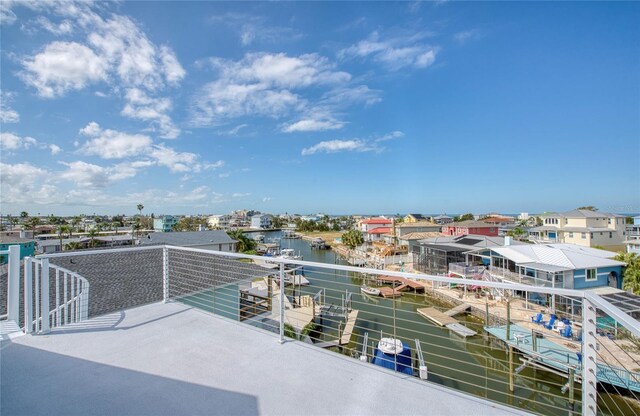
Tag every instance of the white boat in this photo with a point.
(391, 346)
(259, 238)
(370, 290)
(289, 254)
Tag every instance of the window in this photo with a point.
(570, 235)
(591, 235)
(591, 275)
(583, 235)
(610, 235)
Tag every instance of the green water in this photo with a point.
(477, 365)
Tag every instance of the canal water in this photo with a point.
(477, 365)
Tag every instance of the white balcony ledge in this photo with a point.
(169, 359)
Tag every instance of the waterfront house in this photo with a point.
(370, 223)
(261, 221)
(164, 224)
(221, 221)
(582, 227)
(208, 240)
(568, 266)
(414, 218)
(399, 232)
(433, 255)
(633, 236)
(470, 227)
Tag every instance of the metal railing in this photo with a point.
(53, 296)
(464, 269)
(13, 283)
(450, 331)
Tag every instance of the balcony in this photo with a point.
(167, 330)
(466, 270)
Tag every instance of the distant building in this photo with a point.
(442, 219)
(261, 221)
(369, 224)
(470, 227)
(209, 240)
(633, 236)
(164, 224)
(581, 227)
(27, 246)
(222, 221)
(414, 218)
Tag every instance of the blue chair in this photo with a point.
(566, 331)
(579, 354)
(537, 319)
(552, 321)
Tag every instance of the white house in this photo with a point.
(261, 221)
(221, 221)
(582, 227)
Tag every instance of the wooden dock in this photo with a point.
(446, 320)
(439, 318)
(458, 309)
(387, 292)
(401, 282)
(345, 338)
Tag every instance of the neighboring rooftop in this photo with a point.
(467, 242)
(377, 221)
(4, 239)
(560, 256)
(173, 359)
(580, 213)
(470, 223)
(188, 238)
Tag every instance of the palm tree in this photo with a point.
(62, 229)
(73, 245)
(33, 223)
(92, 234)
(24, 215)
(75, 221)
(140, 208)
(244, 243)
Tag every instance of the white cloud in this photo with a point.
(63, 66)
(55, 149)
(86, 175)
(334, 146)
(11, 141)
(23, 183)
(307, 125)
(266, 199)
(224, 175)
(254, 29)
(394, 53)
(7, 16)
(7, 114)
(261, 84)
(112, 144)
(240, 195)
(344, 96)
(41, 22)
(117, 51)
(352, 145)
(467, 35)
(142, 107)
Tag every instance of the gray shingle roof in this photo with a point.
(188, 238)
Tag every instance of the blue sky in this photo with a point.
(336, 107)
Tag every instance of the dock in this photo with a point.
(401, 282)
(387, 292)
(345, 338)
(446, 319)
(543, 353)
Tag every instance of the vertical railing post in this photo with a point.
(28, 295)
(44, 295)
(165, 274)
(282, 305)
(589, 359)
(84, 314)
(58, 318)
(13, 284)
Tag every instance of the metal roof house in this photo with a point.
(552, 265)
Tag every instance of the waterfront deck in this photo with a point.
(446, 319)
(172, 359)
(558, 357)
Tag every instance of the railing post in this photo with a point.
(44, 295)
(84, 313)
(282, 304)
(13, 284)
(589, 359)
(28, 296)
(165, 274)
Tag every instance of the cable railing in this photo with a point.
(449, 331)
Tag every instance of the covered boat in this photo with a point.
(394, 354)
(368, 290)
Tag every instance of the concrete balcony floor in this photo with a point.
(170, 359)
